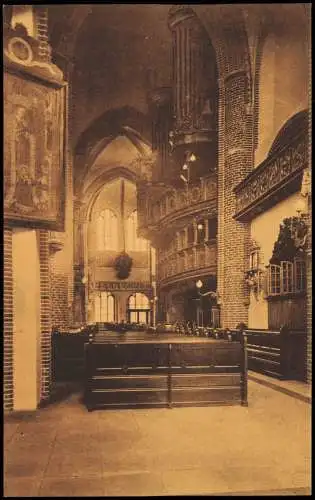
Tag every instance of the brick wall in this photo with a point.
(7, 321)
(309, 316)
(61, 262)
(309, 302)
(61, 266)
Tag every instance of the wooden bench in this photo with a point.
(160, 370)
(277, 353)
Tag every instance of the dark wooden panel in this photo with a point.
(206, 395)
(144, 374)
(201, 380)
(127, 396)
(117, 355)
(280, 354)
(289, 311)
(130, 382)
(226, 354)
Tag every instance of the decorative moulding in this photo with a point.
(22, 54)
(274, 179)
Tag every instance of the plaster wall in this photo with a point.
(26, 297)
(264, 230)
(283, 87)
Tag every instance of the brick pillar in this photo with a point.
(309, 301)
(78, 262)
(7, 320)
(41, 17)
(45, 315)
(61, 263)
(236, 148)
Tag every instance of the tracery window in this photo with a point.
(133, 242)
(138, 308)
(107, 230)
(104, 307)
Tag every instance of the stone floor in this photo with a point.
(62, 450)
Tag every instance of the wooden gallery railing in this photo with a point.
(280, 353)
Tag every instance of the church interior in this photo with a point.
(157, 238)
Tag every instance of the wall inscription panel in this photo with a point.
(34, 118)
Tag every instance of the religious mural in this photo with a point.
(33, 152)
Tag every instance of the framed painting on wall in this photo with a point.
(34, 152)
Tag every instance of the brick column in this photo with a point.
(234, 237)
(7, 320)
(309, 302)
(41, 19)
(45, 315)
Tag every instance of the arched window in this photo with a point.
(132, 240)
(138, 308)
(104, 308)
(107, 230)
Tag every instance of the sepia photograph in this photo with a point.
(157, 250)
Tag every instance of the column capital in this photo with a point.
(180, 13)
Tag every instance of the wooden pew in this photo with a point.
(142, 370)
(278, 353)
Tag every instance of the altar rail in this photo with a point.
(131, 370)
(279, 353)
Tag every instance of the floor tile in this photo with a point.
(9, 430)
(72, 487)
(21, 487)
(194, 481)
(24, 468)
(67, 464)
(209, 450)
(138, 484)
(251, 478)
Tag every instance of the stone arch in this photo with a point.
(90, 196)
(282, 79)
(127, 121)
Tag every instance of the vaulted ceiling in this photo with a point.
(119, 51)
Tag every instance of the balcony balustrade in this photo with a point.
(184, 261)
(176, 203)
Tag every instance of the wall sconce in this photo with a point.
(190, 157)
(299, 224)
(211, 293)
(199, 284)
(200, 226)
(84, 280)
(183, 178)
